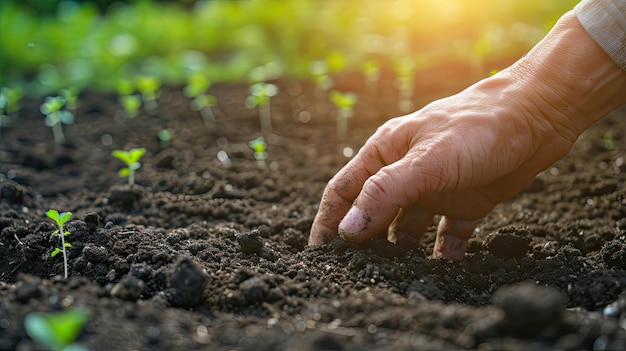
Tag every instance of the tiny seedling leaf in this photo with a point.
(131, 104)
(198, 83)
(148, 84)
(122, 155)
(59, 218)
(343, 100)
(124, 172)
(129, 157)
(55, 252)
(66, 117)
(136, 154)
(52, 104)
(55, 330)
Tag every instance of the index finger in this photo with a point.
(343, 189)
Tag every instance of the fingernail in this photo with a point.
(353, 223)
(450, 247)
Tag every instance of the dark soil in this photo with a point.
(204, 255)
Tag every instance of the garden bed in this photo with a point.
(204, 253)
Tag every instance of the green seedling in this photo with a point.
(196, 88)
(371, 72)
(60, 219)
(131, 159)
(260, 94)
(345, 104)
(11, 97)
(71, 98)
(258, 146)
(5, 120)
(56, 116)
(128, 100)
(165, 137)
(405, 81)
(149, 87)
(131, 105)
(321, 78)
(56, 331)
(607, 140)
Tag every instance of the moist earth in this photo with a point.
(208, 253)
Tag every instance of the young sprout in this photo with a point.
(258, 146)
(11, 97)
(60, 219)
(607, 140)
(56, 331)
(71, 98)
(130, 103)
(321, 77)
(371, 72)
(260, 94)
(165, 137)
(5, 120)
(345, 103)
(56, 116)
(131, 159)
(149, 89)
(405, 72)
(196, 88)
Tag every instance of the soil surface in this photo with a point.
(209, 253)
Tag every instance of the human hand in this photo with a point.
(460, 156)
(457, 157)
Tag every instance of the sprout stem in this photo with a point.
(57, 132)
(64, 251)
(266, 118)
(343, 115)
(207, 115)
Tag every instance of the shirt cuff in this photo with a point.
(605, 21)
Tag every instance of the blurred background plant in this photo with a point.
(47, 45)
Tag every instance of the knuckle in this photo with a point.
(377, 187)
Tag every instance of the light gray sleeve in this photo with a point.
(605, 21)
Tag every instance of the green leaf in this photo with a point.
(52, 119)
(124, 172)
(252, 101)
(64, 217)
(55, 330)
(135, 154)
(56, 251)
(124, 87)
(258, 145)
(135, 166)
(53, 214)
(52, 104)
(131, 157)
(122, 155)
(343, 100)
(147, 84)
(59, 218)
(67, 244)
(66, 117)
(130, 104)
(198, 83)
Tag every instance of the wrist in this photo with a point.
(573, 81)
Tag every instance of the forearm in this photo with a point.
(574, 79)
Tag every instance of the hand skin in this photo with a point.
(460, 156)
